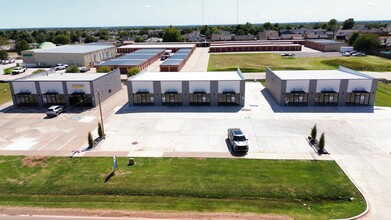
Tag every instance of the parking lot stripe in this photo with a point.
(66, 143)
(47, 143)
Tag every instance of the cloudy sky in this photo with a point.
(85, 13)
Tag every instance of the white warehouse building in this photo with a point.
(79, 55)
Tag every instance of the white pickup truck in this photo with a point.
(18, 70)
(60, 66)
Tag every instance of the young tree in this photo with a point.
(314, 132)
(3, 55)
(90, 140)
(133, 71)
(353, 38)
(348, 24)
(172, 34)
(366, 42)
(100, 130)
(89, 39)
(21, 46)
(267, 26)
(332, 25)
(72, 69)
(103, 69)
(321, 143)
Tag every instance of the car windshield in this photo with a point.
(239, 138)
(50, 110)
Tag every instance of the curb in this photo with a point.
(365, 199)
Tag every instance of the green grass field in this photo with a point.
(179, 184)
(383, 94)
(256, 62)
(5, 93)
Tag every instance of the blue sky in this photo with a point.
(84, 13)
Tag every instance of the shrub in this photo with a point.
(103, 69)
(100, 130)
(3, 55)
(314, 132)
(90, 140)
(8, 71)
(39, 71)
(321, 143)
(72, 69)
(133, 71)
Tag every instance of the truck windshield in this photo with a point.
(239, 138)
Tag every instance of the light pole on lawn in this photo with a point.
(100, 111)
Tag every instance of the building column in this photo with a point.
(185, 93)
(157, 91)
(373, 92)
(130, 93)
(39, 94)
(312, 92)
(66, 95)
(242, 92)
(214, 92)
(343, 90)
(281, 101)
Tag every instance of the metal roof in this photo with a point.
(186, 76)
(78, 49)
(318, 74)
(172, 62)
(123, 62)
(137, 56)
(327, 42)
(63, 77)
(148, 51)
(178, 56)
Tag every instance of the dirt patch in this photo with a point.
(34, 161)
(138, 214)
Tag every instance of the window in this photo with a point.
(326, 99)
(357, 98)
(229, 98)
(199, 98)
(143, 99)
(172, 98)
(296, 99)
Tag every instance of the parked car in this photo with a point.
(11, 60)
(164, 57)
(54, 110)
(18, 70)
(358, 54)
(4, 62)
(287, 55)
(346, 54)
(238, 140)
(60, 66)
(84, 69)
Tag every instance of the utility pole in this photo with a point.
(101, 117)
(237, 12)
(203, 8)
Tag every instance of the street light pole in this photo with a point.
(101, 117)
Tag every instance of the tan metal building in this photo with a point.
(80, 55)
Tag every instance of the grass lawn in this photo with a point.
(383, 94)
(256, 62)
(5, 93)
(182, 184)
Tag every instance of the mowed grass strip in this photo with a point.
(188, 184)
(5, 93)
(256, 62)
(383, 94)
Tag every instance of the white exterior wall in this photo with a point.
(79, 86)
(199, 86)
(296, 85)
(360, 84)
(327, 85)
(142, 86)
(23, 86)
(229, 86)
(56, 86)
(171, 86)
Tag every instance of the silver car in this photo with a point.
(54, 110)
(238, 140)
